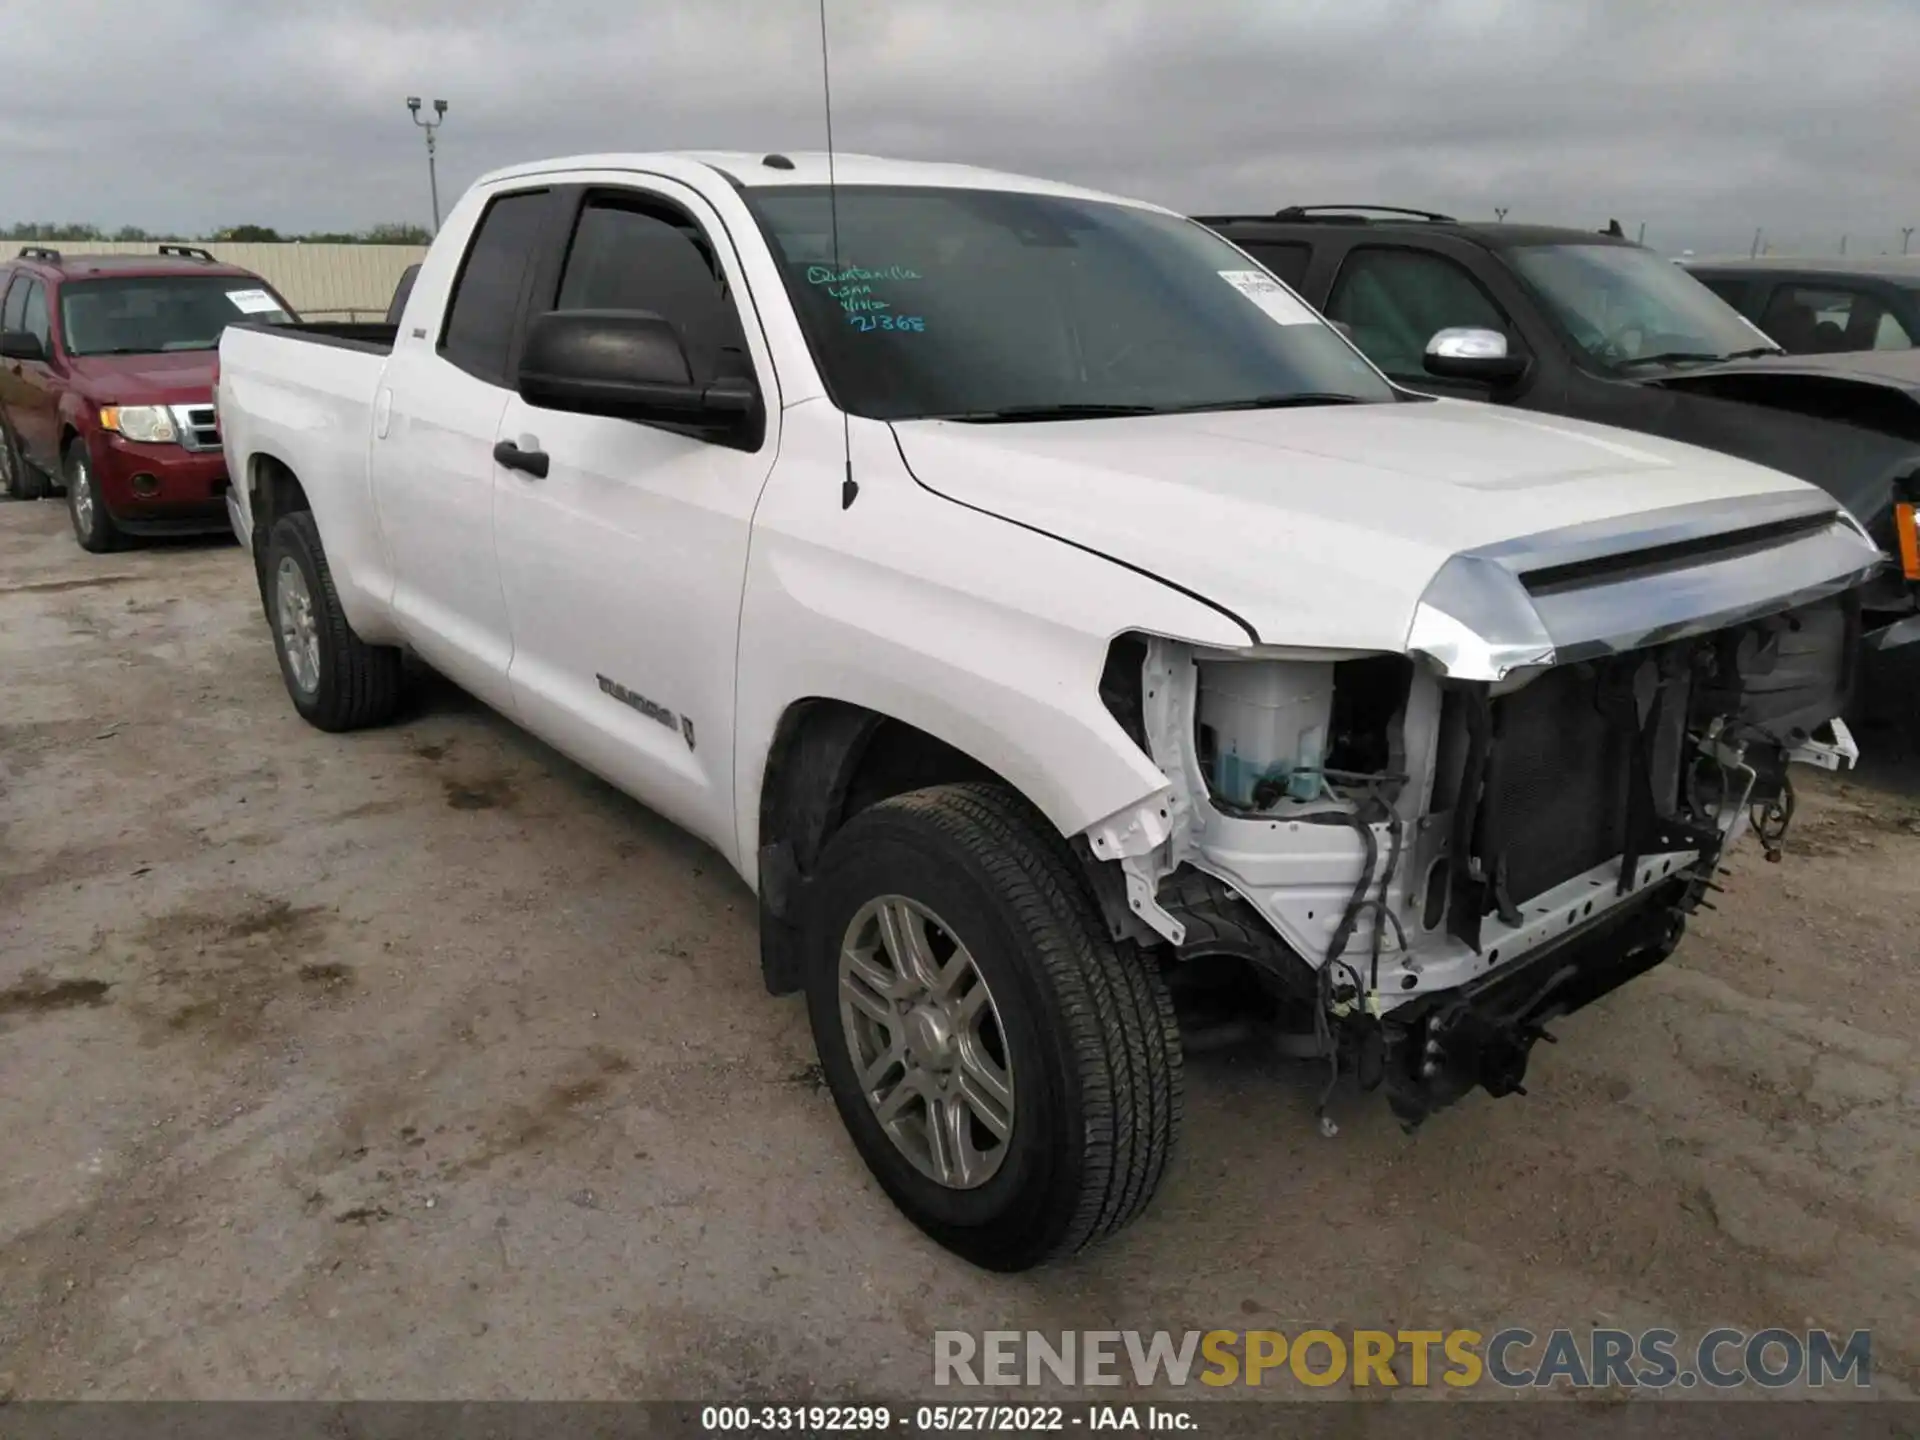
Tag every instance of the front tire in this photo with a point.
(93, 527)
(335, 679)
(1011, 1078)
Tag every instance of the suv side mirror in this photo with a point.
(1464, 353)
(628, 364)
(21, 345)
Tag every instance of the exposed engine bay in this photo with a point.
(1424, 871)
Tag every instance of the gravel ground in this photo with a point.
(417, 1063)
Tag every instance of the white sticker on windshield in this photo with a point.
(253, 302)
(1271, 296)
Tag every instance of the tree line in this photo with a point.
(393, 233)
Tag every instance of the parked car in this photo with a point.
(1593, 326)
(106, 385)
(1033, 600)
(1822, 306)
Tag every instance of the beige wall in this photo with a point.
(315, 279)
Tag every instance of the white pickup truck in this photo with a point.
(1039, 605)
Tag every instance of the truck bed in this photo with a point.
(368, 335)
(302, 398)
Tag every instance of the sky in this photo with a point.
(1700, 119)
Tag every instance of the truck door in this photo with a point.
(624, 564)
(435, 419)
(1393, 299)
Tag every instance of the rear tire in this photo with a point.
(18, 479)
(335, 679)
(93, 527)
(1083, 1040)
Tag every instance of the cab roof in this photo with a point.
(757, 170)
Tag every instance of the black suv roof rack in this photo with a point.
(1335, 214)
(38, 252)
(188, 252)
(1357, 212)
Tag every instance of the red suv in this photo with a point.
(107, 365)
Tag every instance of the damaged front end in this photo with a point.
(1429, 856)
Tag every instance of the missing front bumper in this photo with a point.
(1481, 1034)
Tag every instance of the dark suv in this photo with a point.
(107, 365)
(1823, 307)
(1590, 325)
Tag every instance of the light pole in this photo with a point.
(1500, 213)
(1906, 234)
(433, 179)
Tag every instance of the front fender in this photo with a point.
(985, 635)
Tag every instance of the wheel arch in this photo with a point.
(829, 760)
(275, 487)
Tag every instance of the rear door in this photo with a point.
(12, 306)
(435, 418)
(35, 407)
(624, 565)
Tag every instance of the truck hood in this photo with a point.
(1325, 526)
(1893, 369)
(180, 377)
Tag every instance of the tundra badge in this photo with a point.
(648, 708)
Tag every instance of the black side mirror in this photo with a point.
(21, 345)
(1464, 353)
(629, 364)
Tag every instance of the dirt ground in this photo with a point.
(418, 1063)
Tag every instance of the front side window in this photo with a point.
(1814, 320)
(632, 254)
(993, 305)
(1625, 307)
(151, 314)
(1394, 300)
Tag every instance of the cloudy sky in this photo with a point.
(1701, 119)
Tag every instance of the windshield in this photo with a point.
(146, 314)
(1624, 305)
(981, 304)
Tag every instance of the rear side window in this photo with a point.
(632, 254)
(1289, 262)
(486, 297)
(16, 304)
(1811, 320)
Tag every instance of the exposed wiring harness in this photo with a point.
(1771, 819)
(1377, 806)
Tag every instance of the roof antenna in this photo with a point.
(849, 488)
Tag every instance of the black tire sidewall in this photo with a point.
(291, 537)
(885, 852)
(101, 534)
